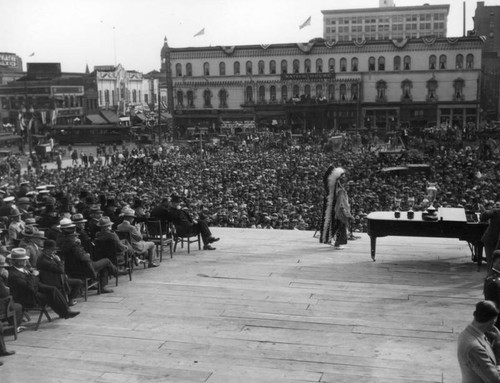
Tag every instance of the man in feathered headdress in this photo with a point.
(336, 209)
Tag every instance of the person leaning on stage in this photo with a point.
(27, 289)
(138, 244)
(185, 225)
(492, 233)
(52, 273)
(478, 348)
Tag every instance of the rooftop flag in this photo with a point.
(305, 23)
(202, 32)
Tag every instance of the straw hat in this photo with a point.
(128, 212)
(17, 254)
(66, 223)
(78, 218)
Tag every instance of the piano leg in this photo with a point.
(478, 254)
(373, 245)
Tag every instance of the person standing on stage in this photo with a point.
(336, 209)
(492, 233)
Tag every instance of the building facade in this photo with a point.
(327, 85)
(385, 22)
(487, 24)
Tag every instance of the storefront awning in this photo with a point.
(111, 117)
(96, 119)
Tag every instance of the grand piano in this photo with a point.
(450, 223)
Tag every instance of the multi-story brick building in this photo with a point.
(323, 85)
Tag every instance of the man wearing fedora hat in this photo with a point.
(32, 242)
(106, 234)
(95, 214)
(138, 244)
(27, 289)
(84, 236)
(186, 225)
(51, 270)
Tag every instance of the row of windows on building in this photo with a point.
(386, 35)
(379, 64)
(108, 97)
(386, 27)
(411, 17)
(339, 92)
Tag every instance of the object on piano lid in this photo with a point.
(397, 205)
(431, 214)
(411, 202)
(431, 190)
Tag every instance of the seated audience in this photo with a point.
(27, 289)
(51, 270)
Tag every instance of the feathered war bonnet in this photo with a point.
(334, 176)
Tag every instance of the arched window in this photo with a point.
(354, 92)
(206, 69)
(189, 70)
(262, 93)
(180, 98)
(343, 92)
(249, 67)
(459, 61)
(458, 86)
(432, 85)
(284, 66)
(190, 99)
(407, 63)
(406, 86)
(331, 92)
(319, 91)
(207, 98)
(272, 67)
(134, 95)
(236, 67)
(296, 91)
(272, 93)
(307, 66)
(223, 98)
(106, 96)
(354, 64)
(381, 63)
(381, 88)
(343, 64)
(432, 62)
(469, 61)
(284, 93)
(113, 98)
(178, 70)
(261, 67)
(331, 65)
(371, 63)
(296, 66)
(307, 90)
(442, 62)
(319, 65)
(249, 94)
(222, 68)
(397, 63)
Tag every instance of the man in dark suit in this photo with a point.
(52, 272)
(27, 289)
(492, 233)
(4, 293)
(185, 225)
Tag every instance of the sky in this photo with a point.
(77, 33)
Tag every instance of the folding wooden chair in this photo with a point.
(160, 235)
(188, 238)
(42, 309)
(7, 312)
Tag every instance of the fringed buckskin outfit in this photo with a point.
(336, 209)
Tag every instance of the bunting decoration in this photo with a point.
(483, 38)
(305, 47)
(202, 32)
(400, 43)
(452, 40)
(359, 43)
(330, 44)
(429, 40)
(265, 46)
(229, 50)
(305, 23)
(31, 55)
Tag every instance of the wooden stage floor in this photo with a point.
(267, 306)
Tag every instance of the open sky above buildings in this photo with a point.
(108, 32)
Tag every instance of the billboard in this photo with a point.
(10, 60)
